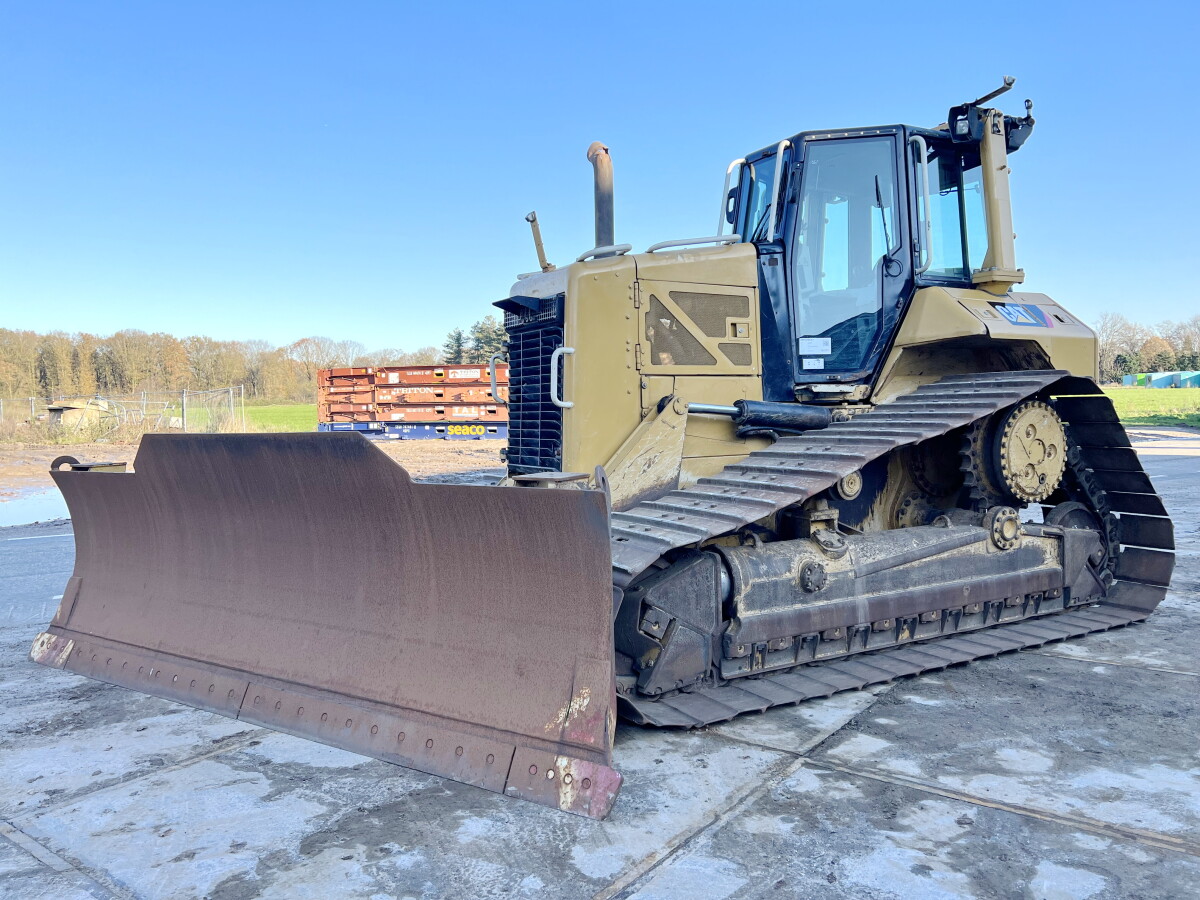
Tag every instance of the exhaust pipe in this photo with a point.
(597, 155)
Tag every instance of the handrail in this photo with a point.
(610, 250)
(555, 394)
(715, 239)
(725, 193)
(779, 148)
(926, 249)
(492, 375)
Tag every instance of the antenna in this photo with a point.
(1009, 81)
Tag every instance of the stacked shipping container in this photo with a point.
(407, 402)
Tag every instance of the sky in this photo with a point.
(361, 170)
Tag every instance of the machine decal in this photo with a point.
(1023, 314)
(814, 363)
(814, 346)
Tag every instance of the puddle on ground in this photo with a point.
(35, 506)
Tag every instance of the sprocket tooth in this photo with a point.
(980, 493)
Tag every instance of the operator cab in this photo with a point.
(845, 236)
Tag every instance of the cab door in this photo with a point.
(849, 269)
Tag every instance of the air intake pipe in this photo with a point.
(598, 156)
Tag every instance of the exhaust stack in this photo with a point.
(598, 156)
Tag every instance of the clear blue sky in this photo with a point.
(361, 170)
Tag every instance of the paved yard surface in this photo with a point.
(1067, 772)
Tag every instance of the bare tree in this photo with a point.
(345, 352)
(314, 354)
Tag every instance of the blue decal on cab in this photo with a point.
(1023, 314)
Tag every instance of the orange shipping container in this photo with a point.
(349, 407)
(360, 375)
(428, 393)
(328, 415)
(463, 374)
(356, 394)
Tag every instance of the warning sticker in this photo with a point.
(813, 363)
(814, 346)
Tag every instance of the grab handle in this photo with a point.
(555, 396)
(926, 250)
(492, 375)
(775, 183)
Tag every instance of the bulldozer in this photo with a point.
(831, 445)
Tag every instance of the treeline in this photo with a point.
(129, 362)
(1127, 348)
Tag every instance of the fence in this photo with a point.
(222, 409)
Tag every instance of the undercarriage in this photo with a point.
(979, 514)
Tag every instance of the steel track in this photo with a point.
(795, 468)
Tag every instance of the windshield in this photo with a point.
(848, 218)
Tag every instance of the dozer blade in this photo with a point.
(307, 584)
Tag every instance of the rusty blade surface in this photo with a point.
(306, 583)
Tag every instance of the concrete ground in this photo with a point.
(1067, 772)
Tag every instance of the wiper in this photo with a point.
(887, 238)
(759, 229)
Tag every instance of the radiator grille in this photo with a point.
(550, 310)
(534, 423)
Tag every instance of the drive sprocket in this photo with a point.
(1017, 455)
(1032, 451)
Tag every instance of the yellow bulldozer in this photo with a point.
(829, 446)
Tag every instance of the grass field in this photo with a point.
(285, 417)
(1157, 406)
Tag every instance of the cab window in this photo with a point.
(755, 184)
(958, 230)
